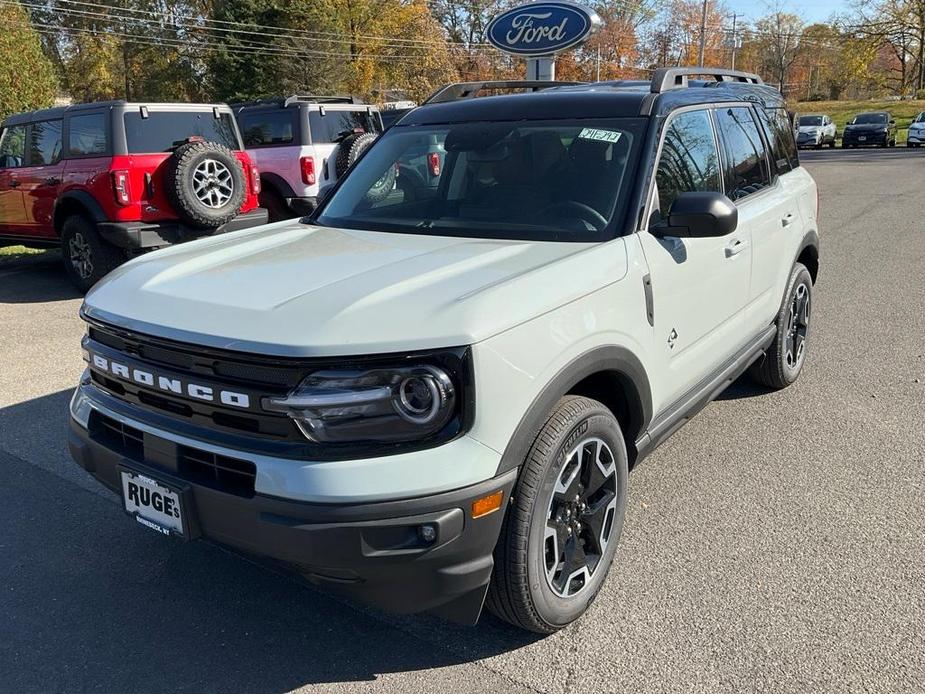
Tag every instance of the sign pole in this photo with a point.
(542, 68)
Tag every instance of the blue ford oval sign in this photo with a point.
(542, 28)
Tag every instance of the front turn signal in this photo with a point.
(487, 504)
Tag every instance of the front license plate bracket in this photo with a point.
(139, 485)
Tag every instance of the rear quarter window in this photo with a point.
(777, 128)
(269, 128)
(163, 131)
(333, 124)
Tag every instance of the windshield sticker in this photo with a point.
(601, 135)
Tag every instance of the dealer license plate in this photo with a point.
(153, 504)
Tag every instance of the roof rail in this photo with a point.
(468, 90)
(298, 98)
(667, 78)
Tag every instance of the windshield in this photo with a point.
(561, 180)
(162, 131)
(810, 120)
(920, 118)
(870, 118)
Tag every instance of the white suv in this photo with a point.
(435, 395)
(302, 144)
(916, 137)
(816, 131)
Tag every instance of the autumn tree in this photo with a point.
(776, 40)
(27, 78)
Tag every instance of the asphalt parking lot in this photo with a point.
(774, 544)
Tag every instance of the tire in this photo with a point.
(581, 432)
(87, 257)
(205, 184)
(784, 359)
(274, 204)
(350, 149)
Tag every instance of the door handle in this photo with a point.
(735, 247)
(52, 181)
(787, 221)
(14, 183)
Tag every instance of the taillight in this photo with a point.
(433, 163)
(255, 179)
(121, 188)
(307, 165)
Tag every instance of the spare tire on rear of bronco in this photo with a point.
(205, 183)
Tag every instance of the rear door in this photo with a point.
(43, 176)
(12, 160)
(699, 285)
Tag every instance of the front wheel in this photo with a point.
(782, 363)
(561, 532)
(87, 257)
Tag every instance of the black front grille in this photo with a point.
(229, 475)
(126, 440)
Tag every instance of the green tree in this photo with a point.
(27, 77)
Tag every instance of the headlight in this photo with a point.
(375, 404)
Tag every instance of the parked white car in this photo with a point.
(430, 397)
(916, 135)
(816, 131)
(302, 144)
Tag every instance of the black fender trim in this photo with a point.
(82, 198)
(612, 358)
(278, 183)
(810, 240)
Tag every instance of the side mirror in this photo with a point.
(700, 215)
(892, 122)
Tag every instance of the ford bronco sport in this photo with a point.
(435, 396)
(109, 180)
(302, 144)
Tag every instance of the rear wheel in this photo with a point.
(561, 532)
(274, 204)
(783, 362)
(87, 257)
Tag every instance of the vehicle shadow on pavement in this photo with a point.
(92, 600)
(35, 279)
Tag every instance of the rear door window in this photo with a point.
(334, 124)
(87, 135)
(746, 165)
(268, 128)
(13, 147)
(45, 143)
(163, 131)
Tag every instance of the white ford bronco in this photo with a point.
(430, 399)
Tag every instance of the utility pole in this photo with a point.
(703, 33)
(734, 39)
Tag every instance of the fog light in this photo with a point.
(427, 533)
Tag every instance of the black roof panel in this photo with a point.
(619, 99)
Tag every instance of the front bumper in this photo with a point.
(134, 235)
(916, 137)
(373, 552)
(870, 139)
(809, 140)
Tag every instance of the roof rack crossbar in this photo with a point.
(668, 78)
(468, 90)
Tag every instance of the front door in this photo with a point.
(12, 158)
(699, 286)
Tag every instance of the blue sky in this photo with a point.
(809, 10)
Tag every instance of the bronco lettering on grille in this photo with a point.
(171, 385)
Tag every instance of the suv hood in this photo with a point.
(291, 289)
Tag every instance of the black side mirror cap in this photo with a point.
(698, 214)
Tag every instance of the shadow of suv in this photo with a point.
(109, 180)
